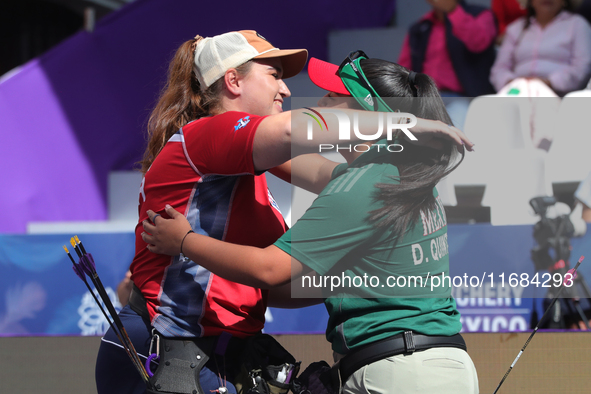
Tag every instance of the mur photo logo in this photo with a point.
(391, 121)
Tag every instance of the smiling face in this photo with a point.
(262, 89)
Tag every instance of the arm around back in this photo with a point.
(284, 136)
(257, 267)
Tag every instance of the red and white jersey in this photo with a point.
(206, 171)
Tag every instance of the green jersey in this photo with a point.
(376, 284)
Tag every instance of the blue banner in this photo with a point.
(41, 295)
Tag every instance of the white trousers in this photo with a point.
(443, 370)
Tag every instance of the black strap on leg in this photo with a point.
(181, 359)
(180, 364)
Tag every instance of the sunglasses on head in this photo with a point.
(351, 60)
(357, 84)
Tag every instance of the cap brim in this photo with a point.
(292, 60)
(324, 75)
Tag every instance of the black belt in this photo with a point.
(137, 303)
(405, 343)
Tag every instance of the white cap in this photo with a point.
(215, 55)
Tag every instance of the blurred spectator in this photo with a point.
(506, 12)
(454, 45)
(550, 43)
(583, 196)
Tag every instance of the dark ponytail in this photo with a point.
(420, 168)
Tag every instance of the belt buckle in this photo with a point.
(409, 344)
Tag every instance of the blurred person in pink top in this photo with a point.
(550, 43)
(454, 45)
